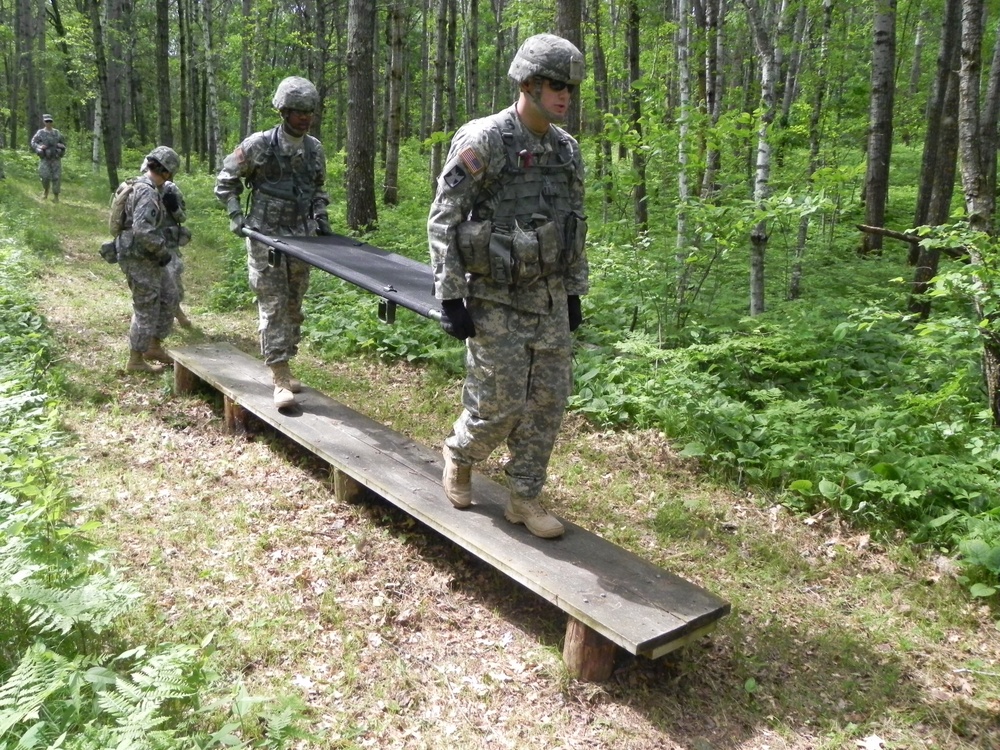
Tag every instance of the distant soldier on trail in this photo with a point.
(50, 146)
(284, 169)
(506, 232)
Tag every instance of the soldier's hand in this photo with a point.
(236, 223)
(323, 226)
(575, 313)
(170, 201)
(455, 319)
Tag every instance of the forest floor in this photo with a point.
(394, 638)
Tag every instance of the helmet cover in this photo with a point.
(549, 56)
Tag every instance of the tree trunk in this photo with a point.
(184, 49)
(437, 109)
(97, 34)
(360, 169)
(569, 18)
(164, 123)
(602, 91)
(795, 280)
(472, 61)
(976, 142)
(682, 45)
(397, 22)
(714, 11)
(635, 99)
(761, 26)
(880, 122)
(246, 67)
(215, 149)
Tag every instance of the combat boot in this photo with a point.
(531, 513)
(137, 363)
(283, 396)
(457, 481)
(182, 320)
(157, 353)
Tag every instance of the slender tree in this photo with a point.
(880, 122)
(362, 214)
(397, 23)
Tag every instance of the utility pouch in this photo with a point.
(576, 237)
(109, 251)
(501, 259)
(527, 266)
(473, 240)
(184, 236)
(549, 247)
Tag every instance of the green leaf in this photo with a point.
(750, 686)
(982, 590)
(802, 486)
(829, 489)
(693, 450)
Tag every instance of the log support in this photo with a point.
(345, 487)
(184, 379)
(588, 655)
(235, 415)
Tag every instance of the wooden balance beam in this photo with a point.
(613, 597)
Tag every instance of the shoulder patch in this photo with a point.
(472, 161)
(454, 176)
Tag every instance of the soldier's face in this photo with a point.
(553, 102)
(297, 121)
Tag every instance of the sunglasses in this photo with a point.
(560, 85)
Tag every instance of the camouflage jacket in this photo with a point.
(48, 144)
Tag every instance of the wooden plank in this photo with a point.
(640, 607)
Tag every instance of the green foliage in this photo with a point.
(61, 601)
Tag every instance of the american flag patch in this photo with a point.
(472, 161)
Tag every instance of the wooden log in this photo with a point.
(345, 487)
(236, 416)
(588, 655)
(184, 379)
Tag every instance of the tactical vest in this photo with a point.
(283, 186)
(523, 227)
(531, 189)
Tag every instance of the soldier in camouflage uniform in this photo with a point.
(506, 234)
(285, 171)
(176, 237)
(50, 146)
(143, 254)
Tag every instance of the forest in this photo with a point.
(754, 169)
(792, 232)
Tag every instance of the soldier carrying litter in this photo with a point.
(285, 171)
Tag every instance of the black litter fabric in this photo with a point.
(399, 279)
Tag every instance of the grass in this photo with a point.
(393, 638)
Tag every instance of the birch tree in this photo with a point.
(762, 24)
(977, 123)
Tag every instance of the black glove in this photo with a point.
(323, 226)
(164, 259)
(170, 201)
(575, 313)
(455, 319)
(236, 223)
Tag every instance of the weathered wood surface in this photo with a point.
(638, 606)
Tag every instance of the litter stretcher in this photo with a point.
(398, 280)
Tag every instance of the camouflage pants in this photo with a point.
(518, 380)
(50, 172)
(280, 289)
(154, 299)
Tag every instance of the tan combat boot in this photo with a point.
(531, 513)
(182, 320)
(457, 481)
(137, 363)
(283, 395)
(156, 353)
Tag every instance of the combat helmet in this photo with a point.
(296, 92)
(165, 156)
(549, 56)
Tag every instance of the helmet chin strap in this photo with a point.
(289, 129)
